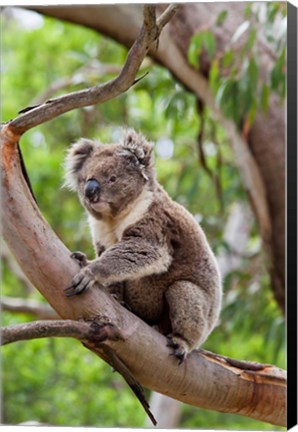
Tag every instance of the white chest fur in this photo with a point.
(109, 232)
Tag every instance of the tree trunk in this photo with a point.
(261, 155)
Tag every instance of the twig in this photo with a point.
(99, 93)
(166, 16)
(80, 76)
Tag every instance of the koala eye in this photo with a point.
(112, 179)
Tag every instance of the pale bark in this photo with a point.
(261, 155)
(256, 391)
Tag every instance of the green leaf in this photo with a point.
(220, 92)
(252, 112)
(214, 75)
(228, 58)
(209, 43)
(277, 75)
(199, 41)
(265, 98)
(194, 49)
(253, 74)
(247, 10)
(221, 17)
(251, 39)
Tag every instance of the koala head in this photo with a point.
(108, 178)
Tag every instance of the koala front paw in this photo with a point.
(81, 282)
(81, 258)
(180, 347)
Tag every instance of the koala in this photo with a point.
(150, 250)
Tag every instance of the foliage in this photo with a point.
(235, 71)
(58, 381)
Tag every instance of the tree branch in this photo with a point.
(40, 329)
(100, 93)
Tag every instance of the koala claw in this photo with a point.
(179, 346)
(81, 282)
(80, 257)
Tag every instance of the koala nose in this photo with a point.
(92, 190)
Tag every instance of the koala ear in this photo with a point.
(138, 145)
(75, 159)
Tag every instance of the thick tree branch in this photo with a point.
(45, 260)
(52, 108)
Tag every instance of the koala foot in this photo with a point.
(81, 258)
(81, 282)
(180, 347)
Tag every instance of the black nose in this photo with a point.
(92, 189)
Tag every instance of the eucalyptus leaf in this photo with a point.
(209, 43)
(221, 17)
(265, 98)
(194, 49)
(240, 31)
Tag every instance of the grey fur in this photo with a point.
(146, 241)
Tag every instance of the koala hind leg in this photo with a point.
(189, 312)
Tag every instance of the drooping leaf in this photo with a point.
(228, 58)
(253, 73)
(209, 43)
(251, 39)
(265, 98)
(214, 75)
(194, 49)
(221, 17)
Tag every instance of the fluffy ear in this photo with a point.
(75, 159)
(138, 145)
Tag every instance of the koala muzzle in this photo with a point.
(92, 190)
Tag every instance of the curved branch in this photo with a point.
(219, 385)
(150, 31)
